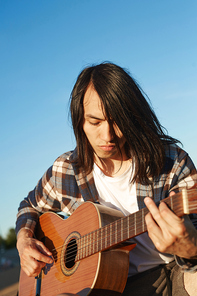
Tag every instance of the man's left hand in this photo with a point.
(169, 233)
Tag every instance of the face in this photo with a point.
(97, 128)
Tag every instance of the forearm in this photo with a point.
(27, 217)
(38, 201)
(24, 234)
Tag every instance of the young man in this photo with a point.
(123, 160)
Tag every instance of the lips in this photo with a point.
(107, 147)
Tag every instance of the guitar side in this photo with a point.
(103, 273)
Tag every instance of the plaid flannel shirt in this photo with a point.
(64, 187)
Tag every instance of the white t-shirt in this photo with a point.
(119, 193)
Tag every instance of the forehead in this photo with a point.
(92, 102)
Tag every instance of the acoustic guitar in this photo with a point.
(90, 248)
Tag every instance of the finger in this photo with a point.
(172, 193)
(31, 266)
(169, 224)
(158, 230)
(168, 216)
(36, 254)
(43, 249)
(154, 231)
(154, 210)
(38, 251)
(30, 272)
(163, 216)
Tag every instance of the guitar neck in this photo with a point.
(130, 226)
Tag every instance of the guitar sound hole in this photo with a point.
(70, 254)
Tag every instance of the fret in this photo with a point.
(85, 245)
(113, 241)
(125, 229)
(106, 236)
(128, 226)
(82, 247)
(131, 225)
(90, 244)
(97, 241)
(101, 239)
(121, 229)
(110, 234)
(140, 224)
(119, 232)
(116, 240)
(78, 249)
(93, 244)
(135, 224)
(143, 226)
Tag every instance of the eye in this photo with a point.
(94, 122)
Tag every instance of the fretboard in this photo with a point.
(130, 226)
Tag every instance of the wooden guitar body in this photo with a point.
(103, 273)
(90, 250)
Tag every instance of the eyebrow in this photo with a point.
(93, 117)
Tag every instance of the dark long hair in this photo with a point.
(124, 103)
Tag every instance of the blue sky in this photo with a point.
(44, 45)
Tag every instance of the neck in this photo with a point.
(112, 167)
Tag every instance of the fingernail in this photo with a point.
(50, 260)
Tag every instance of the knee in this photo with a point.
(190, 283)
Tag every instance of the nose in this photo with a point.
(106, 133)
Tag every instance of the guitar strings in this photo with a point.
(88, 252)
(98, 240)
(87, 247)
(175, 203)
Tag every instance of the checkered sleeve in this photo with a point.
(56, 191)
(38, 200)
(183, 173)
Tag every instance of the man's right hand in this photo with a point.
(34, 255)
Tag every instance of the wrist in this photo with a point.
(24, 233)
(192, 260)
(187, 265)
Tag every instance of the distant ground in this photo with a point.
(9, 272)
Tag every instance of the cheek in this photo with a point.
(85, 129)
(88, 132)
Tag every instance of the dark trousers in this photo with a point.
(164, 280)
